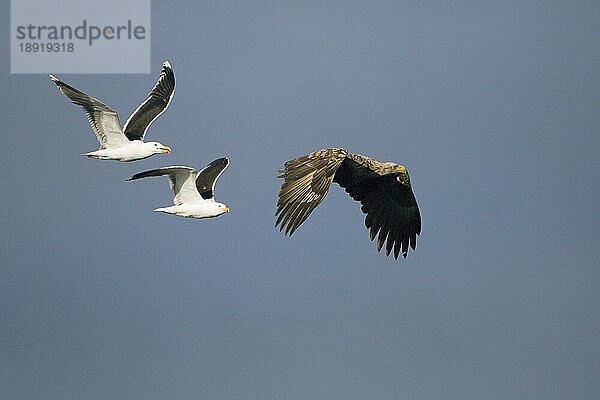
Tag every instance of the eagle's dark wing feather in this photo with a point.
(157, 102)
(387, 200)
(306, 183)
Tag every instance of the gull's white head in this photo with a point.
(219, 208)
(158, 148)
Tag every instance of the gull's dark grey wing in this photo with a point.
(103, 119)
(157, 102)
(207, 177)
(181, 179)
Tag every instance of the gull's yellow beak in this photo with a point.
(226, 209)
(165, 149)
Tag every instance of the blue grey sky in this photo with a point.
(493, 107)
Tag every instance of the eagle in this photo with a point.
(382, 188)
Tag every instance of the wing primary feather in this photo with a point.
(283, 206)
(291, 217)
(399, 240)
(300, 216)
(391, 235)
(383, 233)
(375, 220)
(286, 210)
(413, 240)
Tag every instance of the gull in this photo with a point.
(125, 144)
(193, 190)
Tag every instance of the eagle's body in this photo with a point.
(383, 189)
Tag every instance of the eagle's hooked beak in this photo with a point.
(165, 149)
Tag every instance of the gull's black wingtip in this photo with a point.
(219, 161)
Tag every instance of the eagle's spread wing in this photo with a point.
(206, 178)
(157, 102)
(387, 199)
(306, 182)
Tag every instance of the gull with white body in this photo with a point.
(193, 190)
(125, 144)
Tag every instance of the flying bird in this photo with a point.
(383, 189)
(193, 189)
(125, 144)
